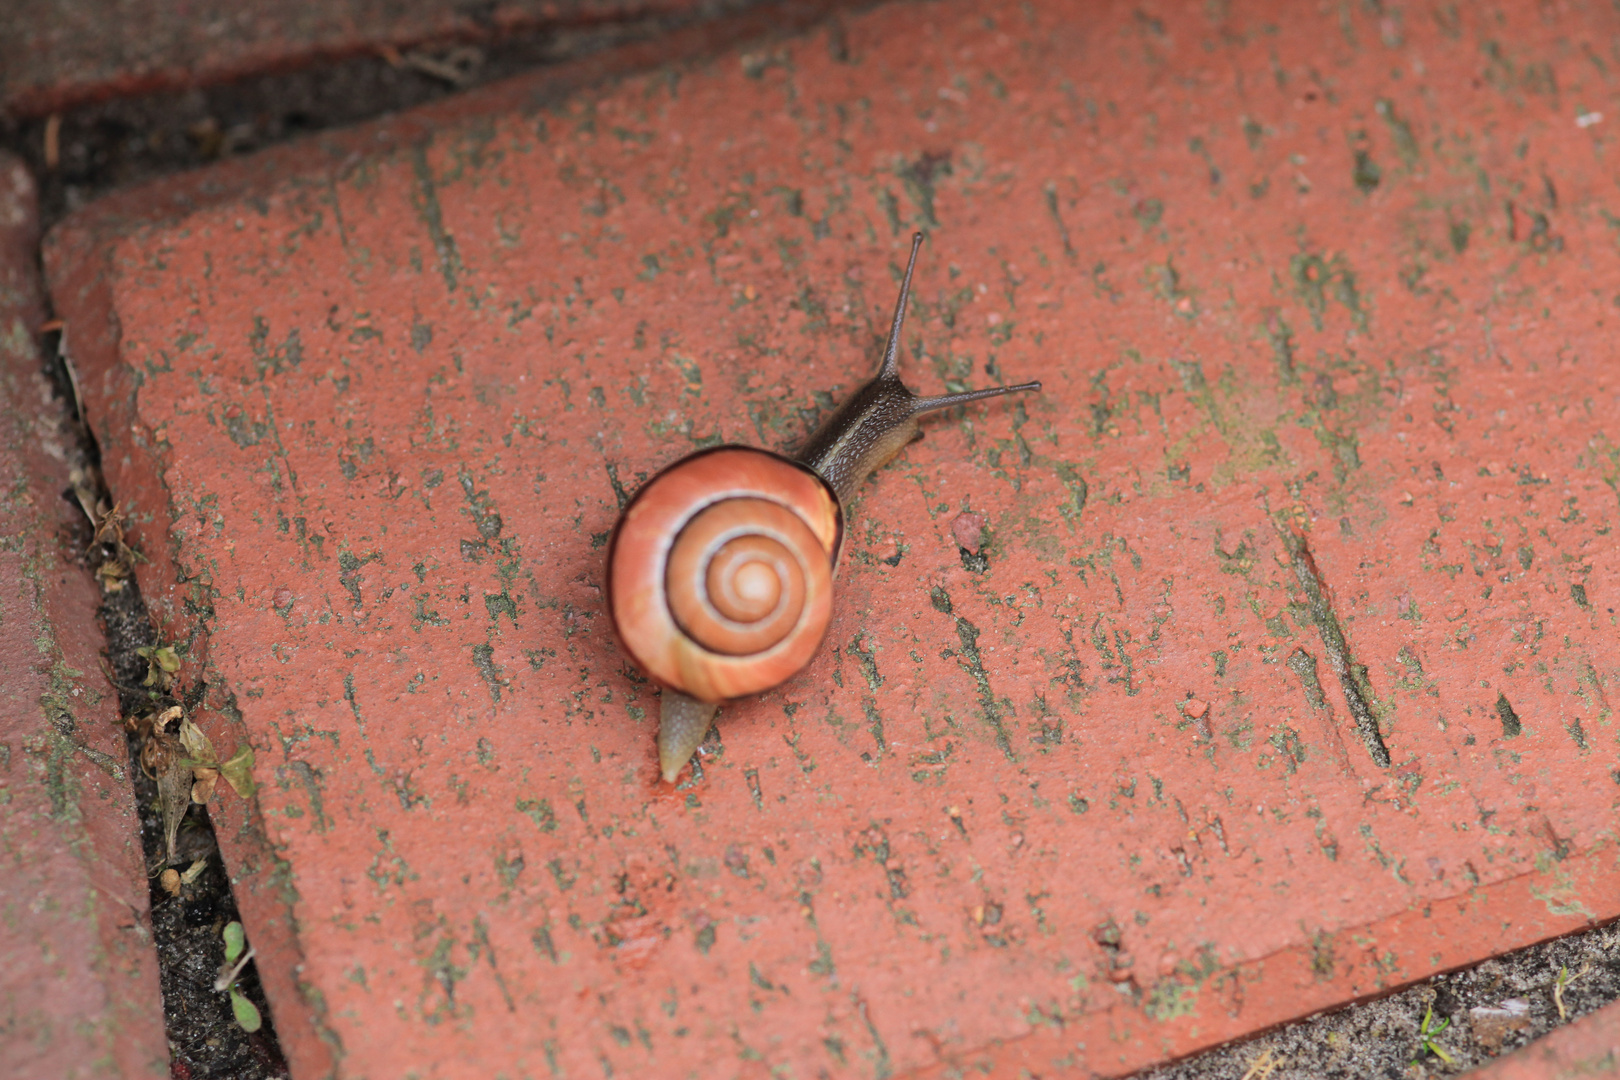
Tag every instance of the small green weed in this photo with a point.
(1426, 1033)
(237, 955)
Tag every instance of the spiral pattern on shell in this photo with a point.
(720, 572)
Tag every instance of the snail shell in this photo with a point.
(720, 572)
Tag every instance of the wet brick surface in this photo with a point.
(78, 988)
(1284, 675)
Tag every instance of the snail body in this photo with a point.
(720, 568)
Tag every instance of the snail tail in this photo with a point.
(682, 723)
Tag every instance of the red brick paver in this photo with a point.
(57, 54)
(1286, 679)
(1588, 1047)
(78, 984)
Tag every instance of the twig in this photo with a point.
(73, 384)
(53, 142)
(223, 983)
(1564, 979)
(81, 496)
(455, 67)
(1262, 1066)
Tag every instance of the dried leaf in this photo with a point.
(204, 779)
(155, 754)
(234, 941)
(161, 664)
(197, 745)
(238, 771)
(174, 788)
(170, 880)
(247, 1016)
(84, 488)
(109, 524)
(168, 716)
(112, 575)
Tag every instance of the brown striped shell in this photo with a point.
(720, 572)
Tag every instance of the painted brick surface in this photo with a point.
(1588, 1047)
(1285, 675)
(78, 988)
(57, 54)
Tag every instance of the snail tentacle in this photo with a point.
(881, 417)
(944, 401)
(890, 368)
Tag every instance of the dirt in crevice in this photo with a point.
(1467, 1020)
(205, 1041)
(115, 144)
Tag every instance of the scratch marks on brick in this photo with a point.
(484, 660)
(1057, 216)
(1511, 728)
(1303, 664)
(968, 634)
(427, 206)
(1351, 676)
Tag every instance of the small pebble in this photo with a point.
(968, 531)
(1492, 1027)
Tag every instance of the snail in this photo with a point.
(720, 567)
